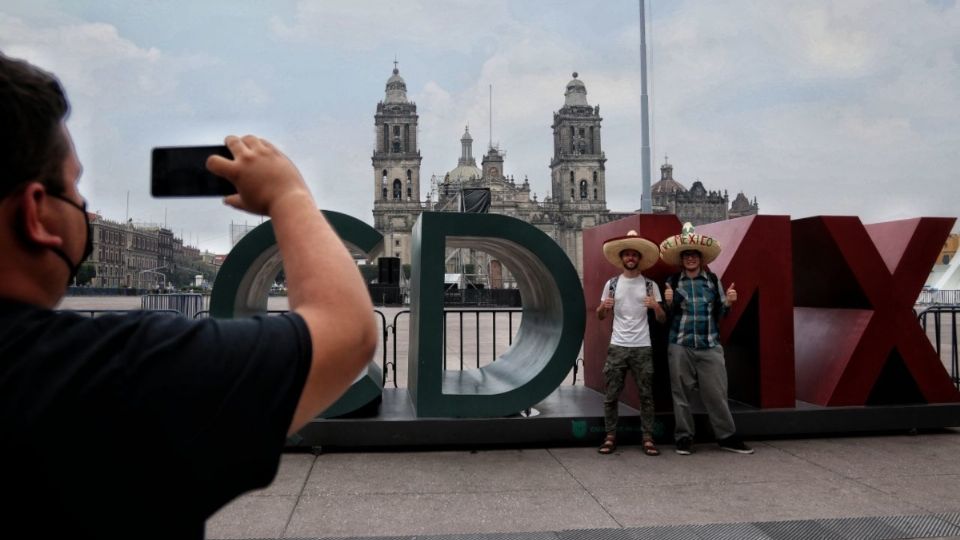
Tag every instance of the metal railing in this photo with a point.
(949, 297)
(206, 313)
(940, 315)
(93, 313)
(459, 334)
(389, 341)
(943, 318)
(189, 304)
(458, 314)
(457, 325)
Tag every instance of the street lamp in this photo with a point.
(154, 271)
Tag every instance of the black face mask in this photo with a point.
(87, 250)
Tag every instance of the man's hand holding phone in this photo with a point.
(261, 173)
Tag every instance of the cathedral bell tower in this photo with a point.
(396, 168)
(577, 167)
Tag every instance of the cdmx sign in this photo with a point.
(824, 316)
(543, 352)
(825, 310)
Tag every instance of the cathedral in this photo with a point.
(696, 205)
(577, 198)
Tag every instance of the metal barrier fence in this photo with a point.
(188, 304)
(104, 291)
(483, 345)
(951, 297)
(944, 315)
(482, 297)
(92, 313)
(480, 342)
(390, 331)
(395, 295)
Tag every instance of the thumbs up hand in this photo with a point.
(731, 295)
(668, 294)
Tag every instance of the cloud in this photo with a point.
(451, 25)
(251, 93)
(812, 107)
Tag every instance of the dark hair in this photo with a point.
(32, 147)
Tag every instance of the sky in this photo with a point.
(814, 107)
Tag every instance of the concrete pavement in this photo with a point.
(907, 486)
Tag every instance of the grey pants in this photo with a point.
(702, 371)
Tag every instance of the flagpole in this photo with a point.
(645, 203)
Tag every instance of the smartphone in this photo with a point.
(181, 171)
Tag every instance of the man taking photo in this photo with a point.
(144, 425)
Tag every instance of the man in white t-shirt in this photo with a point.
(630, 297)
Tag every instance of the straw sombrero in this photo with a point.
(647, 249)
(687, 240)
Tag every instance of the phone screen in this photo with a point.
(181, 171)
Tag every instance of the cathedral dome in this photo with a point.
(741, 204)
(463, 173)
(466, 166)
(667, 185)
(576, 94)
(396, 88)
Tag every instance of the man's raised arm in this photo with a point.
(324, 285)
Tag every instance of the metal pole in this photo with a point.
(646, 206)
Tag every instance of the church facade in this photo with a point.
(577, 198)
(696, 205)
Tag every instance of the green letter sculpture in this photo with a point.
(550, 333)
(244, 281)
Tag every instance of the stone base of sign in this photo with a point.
(573, 416)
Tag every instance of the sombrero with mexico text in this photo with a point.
(647, 249)
(688, 240)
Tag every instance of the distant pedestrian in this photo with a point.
(630, 297)
(696, 301)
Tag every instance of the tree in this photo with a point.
(86, 273)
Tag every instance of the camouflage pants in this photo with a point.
(639, 360)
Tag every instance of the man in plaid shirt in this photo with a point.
(695, 300)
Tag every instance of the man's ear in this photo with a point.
(34, 215)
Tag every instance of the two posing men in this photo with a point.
(693, 301)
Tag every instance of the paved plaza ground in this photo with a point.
(567, 491)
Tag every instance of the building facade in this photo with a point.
(128, 255)
(950, 248)
(696, 205)
(578, 178)
(396, 168)
(578, 191)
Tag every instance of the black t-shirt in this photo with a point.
(142, 425)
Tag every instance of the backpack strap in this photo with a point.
(613, 285)
(674, 308)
